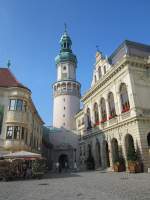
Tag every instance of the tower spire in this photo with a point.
(8, 63)
(65, 27)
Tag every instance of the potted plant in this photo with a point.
(119, 165)
(134, 166)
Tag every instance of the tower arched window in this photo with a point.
(88, 119)
(65, 45)
(111, 103)
(96, 114)
(124, 98)
(103, 110)
(63, 86)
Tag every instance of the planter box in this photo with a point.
(134, 167)
(119, 168)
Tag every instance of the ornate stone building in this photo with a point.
(20, 123)
(116, 109)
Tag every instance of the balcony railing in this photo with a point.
(91, 131)
(66, 92)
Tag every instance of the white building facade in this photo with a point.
(116, 109)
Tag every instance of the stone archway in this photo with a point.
(115, 150)
(129, 147)
(98, 154)
(106, 153)
(90, 160)
(63, 158)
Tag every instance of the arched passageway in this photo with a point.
(98, 154)
(63, 161)
(129, 147)
(106, 153)
(90, 160)
(115, 150)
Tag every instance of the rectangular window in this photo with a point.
(9, 133)
(1, 117)
(12, 104)
(24, 106)
(16, 132)
(22, 134)
(19, 105)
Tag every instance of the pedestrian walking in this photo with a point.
(57, 166)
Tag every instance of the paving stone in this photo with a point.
(76, 186)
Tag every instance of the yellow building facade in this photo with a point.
(20, 123)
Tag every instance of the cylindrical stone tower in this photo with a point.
(66, 90)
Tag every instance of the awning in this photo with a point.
(22, 154)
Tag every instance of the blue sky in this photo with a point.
(30, 31)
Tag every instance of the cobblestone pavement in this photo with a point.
(76, 186)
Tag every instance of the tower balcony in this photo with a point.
(67, 92)
(67, 88)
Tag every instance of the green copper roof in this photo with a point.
(65, 51)
(65, 56)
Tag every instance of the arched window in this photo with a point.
(63, 86)
(69, 86)
(58, 87)
(96, 114)
(148, 140)
(103, 110)
(124, 98)
(88, 119)
(112, 111)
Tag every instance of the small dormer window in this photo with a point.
(95, 78)
(99, 72)
(104, 69)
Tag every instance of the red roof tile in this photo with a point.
(7, 79)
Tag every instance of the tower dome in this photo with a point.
(65, 51)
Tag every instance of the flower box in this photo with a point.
(125, 109)
(134, 167)
(112, 116)
(103, 120)
(97, 123)
(119, 167)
